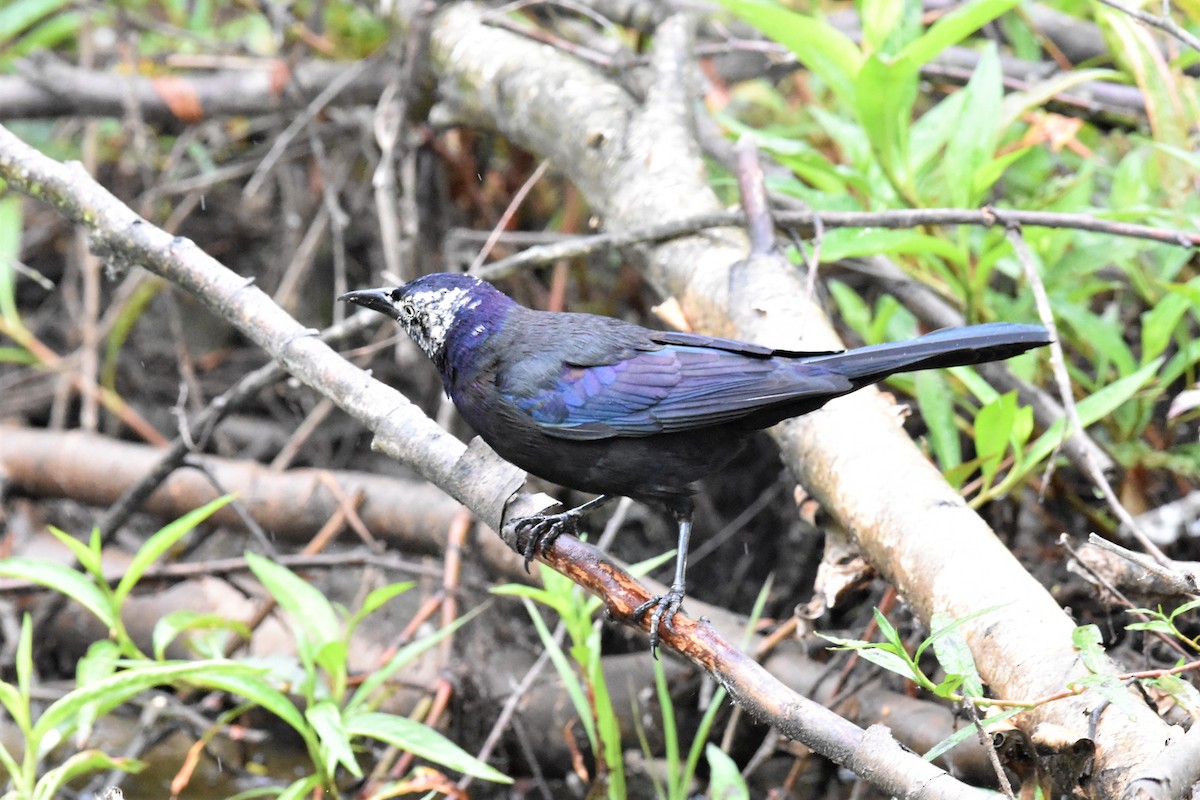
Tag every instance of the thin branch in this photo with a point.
(807, 221)
(1059, 365)
(1164, 24)
(508, 214)
(318, 103)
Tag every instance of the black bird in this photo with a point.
(611, 408)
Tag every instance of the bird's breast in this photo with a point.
(656, 467)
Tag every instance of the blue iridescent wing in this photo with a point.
(676, 387)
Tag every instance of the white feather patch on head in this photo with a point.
(428, 314)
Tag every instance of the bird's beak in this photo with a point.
(374, 299)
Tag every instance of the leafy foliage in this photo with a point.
(330, 719)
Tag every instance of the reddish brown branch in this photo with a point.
(750, 685)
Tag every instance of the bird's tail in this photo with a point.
(949, 347)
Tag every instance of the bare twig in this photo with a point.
(752, 186)
(1059, 364)
(279, 146)
(1164, 24)
(807, 221)
(1182, 582)
(507, 216)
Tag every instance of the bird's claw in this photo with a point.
(542, 530)
(665, 607)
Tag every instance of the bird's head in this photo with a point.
(428, 307)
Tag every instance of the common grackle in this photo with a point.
(608, 407)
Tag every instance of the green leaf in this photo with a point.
(1114, 690)
(1016, 104)
(1179, 690)
(974, 142)
(49, 785)
(16, 355)
(17, 699)
(404, 656)
(950, 647)
(162, 541)
(1186, 608)
(88, 555)
(333, 657)
(813, 169)
(313, 622)
(326, 719)
(887, 659)
(884, 95)
(677, 776)
(822, 48)
(1090, 408)
(301, 789)
(937, 409)
(15, 705)
(1183, 361)
(724, 778)
(117, 689)
(952, 28)
(99, 663)
(994, 426)
(979, 388)
(969, 732)
(170, 626)
(20, 781)
(58, 29)
(932, 130)
(24, 660)
(17, 15)
(1088, 641)
(852, 309)
(1137, 52)
(248, 683)
(842, 243)
(10, 241)
(879, 19)
(608, 727)
(1159, 323)
(423, 741)
(883, 655)
(888, 631)
(707, 723)
(376, 600)
(63, 580)
(1186, 157)
(1153, 626)
(1093, 407)
(566, 673)
(993, 169)
(1103, 336)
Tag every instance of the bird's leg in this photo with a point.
(543, 529)
(666, 605)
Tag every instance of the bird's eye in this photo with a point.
(408, 310)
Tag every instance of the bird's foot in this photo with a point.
(543, 529)
(665, 607)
